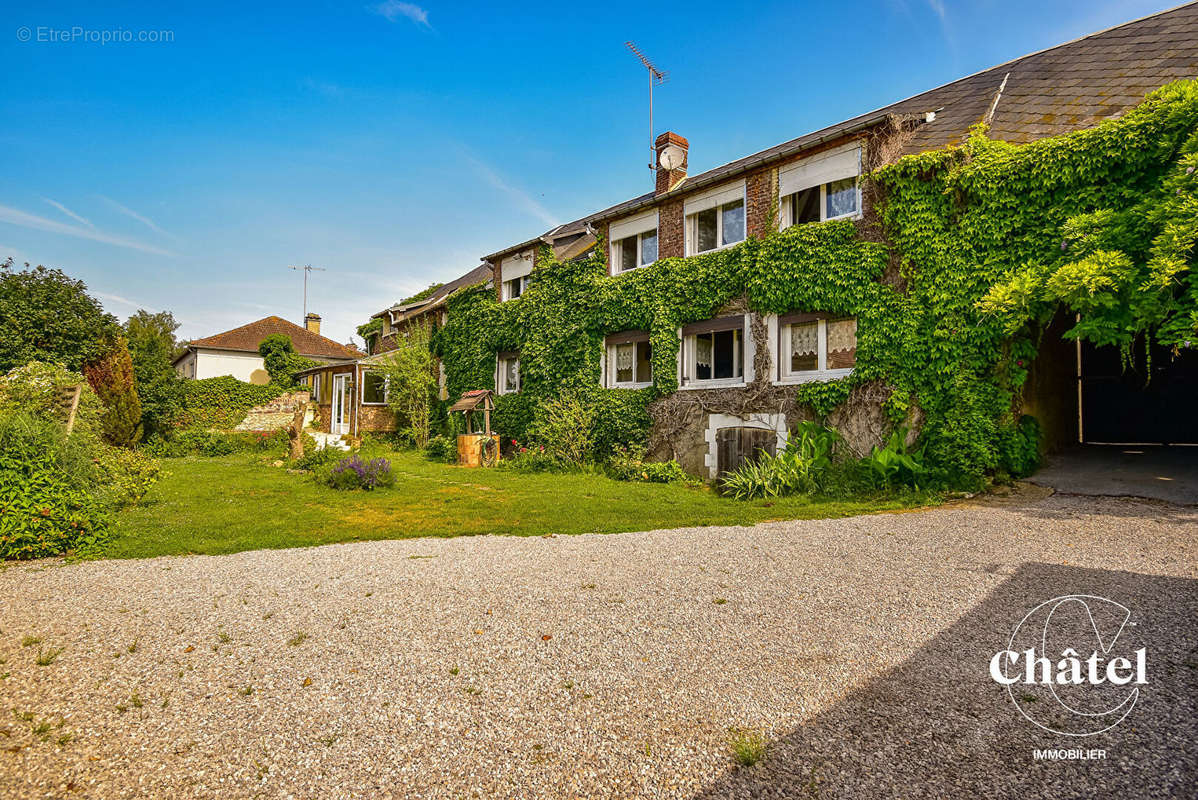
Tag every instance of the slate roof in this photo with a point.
(1061, 89)
(479, 274)
(248, 337)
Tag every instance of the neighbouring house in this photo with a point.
(351, 398)
(235, 352)
(737, 370)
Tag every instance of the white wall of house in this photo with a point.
(214, 363)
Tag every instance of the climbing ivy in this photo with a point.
(984, 242)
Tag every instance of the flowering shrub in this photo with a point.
(531, 459)
(354, 473)
(629, 464)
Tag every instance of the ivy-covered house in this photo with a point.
(958, 263)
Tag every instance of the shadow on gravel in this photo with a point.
(938, 726)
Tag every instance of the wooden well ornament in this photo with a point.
(477, 448)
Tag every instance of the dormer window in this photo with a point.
(514, 272)
(634, 242)
(821, 188)
(715, 219)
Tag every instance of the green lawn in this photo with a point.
(240, 502)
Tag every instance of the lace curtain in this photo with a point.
(804, 339)
(842, 343)
(703, 351)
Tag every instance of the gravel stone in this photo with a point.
(598, 665)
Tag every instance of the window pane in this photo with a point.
(804, 206)
(804, 343)
(511, 374)
(734, 222)
(644, 362)
(727, 355)
(842, 197)
(705, 230)
(514, 287)
(627, 253)
(842, 343)
(648, 247)
(372, 388)
(625, 353)
(703, 357)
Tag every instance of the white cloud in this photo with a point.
(23, 219)
(394, 9)
(69, 212)
(522, 198)
(149, 223)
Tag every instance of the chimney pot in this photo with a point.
(668, 179)
(312, 323)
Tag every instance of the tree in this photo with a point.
(281, 360)
(111, 376)
(411, 374)
(152, 346)
(47, 316)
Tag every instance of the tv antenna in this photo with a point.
(658, 77)
(307, 268)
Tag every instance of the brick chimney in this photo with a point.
(312, 323)
(668, 179)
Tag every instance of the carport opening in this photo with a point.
(1085, 394)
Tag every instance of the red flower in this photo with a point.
(514, 443)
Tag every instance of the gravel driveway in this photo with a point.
(598, 666)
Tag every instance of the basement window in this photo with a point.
(713, 353)
(507, 373)
(629, 361)
(815, 347)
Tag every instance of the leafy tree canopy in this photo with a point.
(47, 316)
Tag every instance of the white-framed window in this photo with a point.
(628, 361)
(633, 242)
(814, 347)
(821, 188)
(507, 373)
(314, 382)
(375, 386)
(713, 353)
(715, 219)
(514, 272)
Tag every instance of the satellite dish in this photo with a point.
(672, 157)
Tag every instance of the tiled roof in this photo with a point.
(1051, 92)
(479, 274)
(248, 337)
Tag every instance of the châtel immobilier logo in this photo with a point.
(1071, 666)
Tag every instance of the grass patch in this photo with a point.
(47, 657)
(235, 503)
(748, 747)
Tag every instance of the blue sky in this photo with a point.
(395, 143)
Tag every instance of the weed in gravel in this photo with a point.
(472, 690)
(567, 684)
(223, 637)
(247, 691)
(454, 670)
(133, 647)
(135, 700)
(121, 708)
(30, 641)
(268, 615)
(47, 657)
(65, 739)
(748, 747)
(327, 741)
(41, 730)
(719, 601)
(297, 640)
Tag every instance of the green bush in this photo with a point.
(281, 360)
(216, 443)
(48, 504)
(531, 459)
(314, 459)
(443, 449)
(112, 377)
(562, 428)
(126, 475)
(812, 462)
(629, 464)
(36, 388)
(894, 464)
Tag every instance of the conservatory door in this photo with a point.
(339, 424)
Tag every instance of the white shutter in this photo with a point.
(714, 197)
(516, 266)
(631, 226)
(826, 167)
